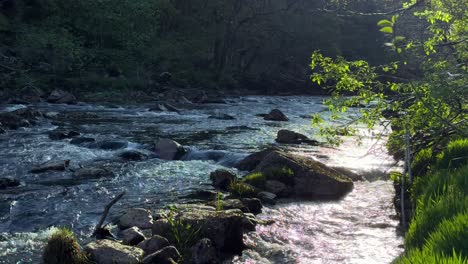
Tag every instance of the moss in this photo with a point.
(454, 156)
(451, 235)
(63, 247)
(257, 179)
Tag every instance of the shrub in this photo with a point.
(454, 156)
(451, 235)
(421, 162)
(63, 247)
(429, 257)
(429, 216)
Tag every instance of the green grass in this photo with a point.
(63, 247)
(256, 179)
(421, 162)
(451, 235)
(454, 156)
(430, 216)
(241, 190)
(429, 257)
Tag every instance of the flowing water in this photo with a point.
(361, 228)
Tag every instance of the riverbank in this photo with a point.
(152, 183)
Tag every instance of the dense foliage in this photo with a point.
(203, 43)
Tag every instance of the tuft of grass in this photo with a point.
(429, 257)
(63, 247)
(429, 216)
(219, 201)
(184, 235)
(257, 179)
(454, 156)
(450, 236)
(241, 190)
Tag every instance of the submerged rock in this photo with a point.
(61, 97)
(112, 144)
(310, 179)
(13, 121)
(138, 217)
(8, 183)
(82, 140)
(51, 166)
(168, 149)
(153, 244)
(60, 133)
(222, 116)
(167, 255)
(92, 173)
(111, 252)
(276, 115)
(290, 137)
(28, 113)
(222, 178)
(132, 155)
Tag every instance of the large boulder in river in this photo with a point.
(276, 115)
(308, 179)
(168, 149)
(290, 137)
(61, 97)
(112, 252)
(251, 161)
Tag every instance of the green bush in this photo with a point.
(454, 156)
(63, 247)
(429, 216)
(451, 235)
(421, 162)
(429, 257)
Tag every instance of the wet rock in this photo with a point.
(60, 133)
(138, 217)
(92, 173)
(82, 140)
(168, 149)
(222, 178)
(111, 252)
(27, 95)
(161, 227)
(250, 162)
(241, 128)
(311, 179)
(224, 228)
(167, 255)
(202, 195)
(153, 244)
(276, 115)
(276, 187)
(253, 205)
(352, 175)
(203, 252)
(28, 113)
(112, 144)
(2, 130)
(76, 115)
(132, 236)
(164, 107)
(230, 204)
(290, 137)
(222, 116)
(61, 97)
(8, 183)
(51, 166)
(132, 155)
(13, 121)
(267, 197)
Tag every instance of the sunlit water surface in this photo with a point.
(359, 229)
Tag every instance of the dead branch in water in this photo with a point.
(104, 214)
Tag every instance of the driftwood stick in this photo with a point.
(106, 211)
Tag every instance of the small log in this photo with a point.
(99, 227)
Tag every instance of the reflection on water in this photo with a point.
(359, 229)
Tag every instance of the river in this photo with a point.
(361, 228)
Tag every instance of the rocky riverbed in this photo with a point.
(67, 162)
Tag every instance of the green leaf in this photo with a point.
(388, 30)
(385, 23)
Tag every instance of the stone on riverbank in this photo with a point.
(203, 252)
(111, 252)
(132, 236)
(138, 217)
(153, 244)
(168, 149)
(167, 255)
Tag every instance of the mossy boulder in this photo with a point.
(310, 179)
